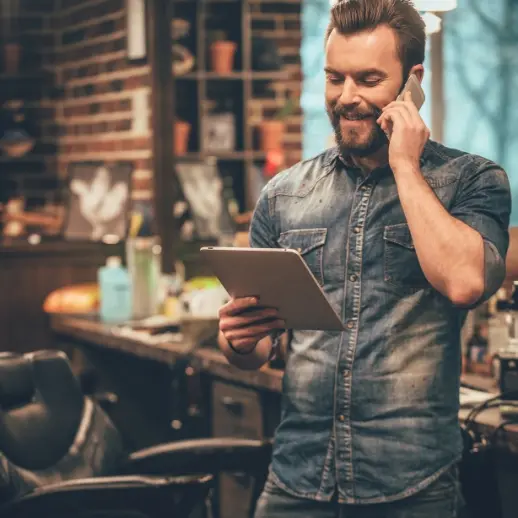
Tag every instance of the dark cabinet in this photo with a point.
(28, 273)
(249, 414)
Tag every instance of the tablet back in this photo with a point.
(280, 278)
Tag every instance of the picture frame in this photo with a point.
(219, 133)
(99, 199)
(203, 189)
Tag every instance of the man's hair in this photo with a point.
(351, 16)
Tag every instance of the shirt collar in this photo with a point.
(346, 161)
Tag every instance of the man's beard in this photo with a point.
(354, 143)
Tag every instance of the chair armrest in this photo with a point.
(195, 456)
(106, 400)
(149, 495)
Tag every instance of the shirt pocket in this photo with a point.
(309, 243)
(401, 266)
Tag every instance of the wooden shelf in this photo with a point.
(209, 1)
(226, 155)
(274, 75)
(36, 74)
(43, 175)
(202, 91)
(25, 158)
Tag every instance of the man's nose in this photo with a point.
(349, 95)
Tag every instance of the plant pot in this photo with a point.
(12, 54)
(222, 55)
(182, 132)
(272, 135)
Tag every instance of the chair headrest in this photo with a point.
(16, 381)
(41, 405)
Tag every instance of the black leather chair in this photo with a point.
(60, 455)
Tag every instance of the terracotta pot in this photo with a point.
(222, 55)
(182, 131)
(12, 53)
(271, 135)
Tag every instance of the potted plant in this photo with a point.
(222, 53)
(271, 131)
(11, 46)
(12, 55)
(182, 132)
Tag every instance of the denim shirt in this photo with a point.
(370, 414)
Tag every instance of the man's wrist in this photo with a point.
(406, 168)
(408, 180)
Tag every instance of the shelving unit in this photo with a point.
(33, 175)
(198, 91)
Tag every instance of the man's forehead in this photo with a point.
(362, 50)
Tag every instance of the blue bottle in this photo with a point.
(115, 292)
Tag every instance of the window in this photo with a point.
(480, 82)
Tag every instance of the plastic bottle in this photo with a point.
(143, 255)
(115, 290)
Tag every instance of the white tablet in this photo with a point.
(280, 278)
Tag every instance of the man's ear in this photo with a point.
(418, 71)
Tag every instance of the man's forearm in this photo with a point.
(250, 361)
(450, 252)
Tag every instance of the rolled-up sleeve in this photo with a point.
(262, 235)
(484, 203)
(262, 229)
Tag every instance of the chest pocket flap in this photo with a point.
(401, 265)
(399, 235)
(309, 244)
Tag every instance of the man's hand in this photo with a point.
(243, 322)
(407, 132)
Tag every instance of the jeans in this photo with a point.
(441, 499)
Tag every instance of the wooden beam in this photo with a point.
(437, 88)
(162, 109)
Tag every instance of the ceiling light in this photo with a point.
(432, 22)
(437, 6)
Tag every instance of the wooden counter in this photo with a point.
(211, 361)
(238, 403)
(207, 359)
(28, 273)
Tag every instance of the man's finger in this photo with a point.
(255, 332)
(231, 322)
(398, 115)
(236, 305)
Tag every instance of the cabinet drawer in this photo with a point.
(235, 495)
(236, 412)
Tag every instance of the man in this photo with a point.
(404, 235)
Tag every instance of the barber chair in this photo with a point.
(60, 455)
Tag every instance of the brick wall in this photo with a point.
(102, 89)
(280, 20)
(34, 174)
(104, 110)
(92, 104)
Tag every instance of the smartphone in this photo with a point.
(414, 87)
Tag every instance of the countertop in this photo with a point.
(207, 359)
(18, 248)
(210, 360)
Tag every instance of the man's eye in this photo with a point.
(335, 79)
(369, 81)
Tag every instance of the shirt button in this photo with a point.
(356, 230)
(353, 278)
(341, 418)
(350, 324)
